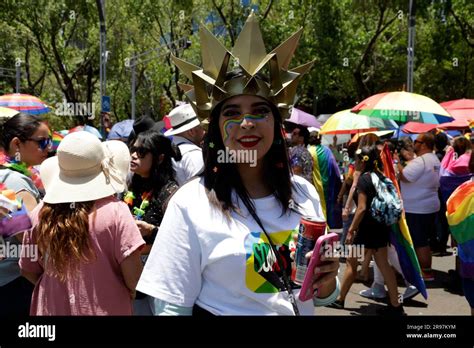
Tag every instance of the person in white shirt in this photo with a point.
(187, 135)
(225, 241)
(419, 183)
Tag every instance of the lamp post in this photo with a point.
(411, 45)
(103, 60)
(133, 61)
(16, 73)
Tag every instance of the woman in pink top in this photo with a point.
(87, 260)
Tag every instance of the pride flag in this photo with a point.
(56, 138)
(453, 172)
(327, 180)
(400, 235)
(460, 215)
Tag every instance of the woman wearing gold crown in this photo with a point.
(225, 241)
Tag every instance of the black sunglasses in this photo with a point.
(44, 143)
(418, 141)
(140, 150)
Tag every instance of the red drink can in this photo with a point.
(311, 228)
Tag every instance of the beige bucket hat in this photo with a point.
(85, 169)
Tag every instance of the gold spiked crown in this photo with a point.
(211, 84)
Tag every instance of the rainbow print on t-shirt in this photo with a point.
(262, 274)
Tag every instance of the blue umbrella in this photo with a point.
(120, 130)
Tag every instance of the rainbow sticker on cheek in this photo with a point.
(228, 124)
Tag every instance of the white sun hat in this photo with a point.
(119, 154)
(84, 170)
(182, 118)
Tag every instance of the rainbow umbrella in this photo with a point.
(24, 103)
(460, 215)
(403, 107)
(7, 112)
(346, 122)
(400, 235)
(380, 134)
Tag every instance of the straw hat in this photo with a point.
(84, 169)
(182, 118)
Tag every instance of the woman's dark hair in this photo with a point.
(314, 138)
(303, 133)
(368, 140)
(161, 173)
(22, 126)
(351, 149)
(370, 155)
(461, 145)
(441, 141)
(220, 179)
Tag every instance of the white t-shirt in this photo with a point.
(191, 163)
(223, 267)
(420, 194)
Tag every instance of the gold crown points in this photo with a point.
(210, 86)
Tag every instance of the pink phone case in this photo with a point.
(306, 292)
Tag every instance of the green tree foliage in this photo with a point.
(359, 48)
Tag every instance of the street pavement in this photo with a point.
(441, 299)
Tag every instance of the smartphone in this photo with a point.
(323, 244)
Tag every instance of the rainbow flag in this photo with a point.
(400, 236)
(327, 180)
(460, 215)
(57, 138)
(453, 172)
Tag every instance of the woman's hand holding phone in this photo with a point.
(322, 268)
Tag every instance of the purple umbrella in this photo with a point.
(303, 118)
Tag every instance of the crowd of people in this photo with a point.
(158, 224)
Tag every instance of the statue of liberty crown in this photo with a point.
(211, 83)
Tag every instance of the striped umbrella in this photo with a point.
(346, 122)
(7, 112)
(403, 107)
(25, 103)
